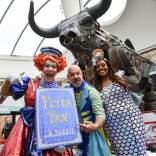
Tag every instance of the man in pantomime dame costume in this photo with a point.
(21, 139)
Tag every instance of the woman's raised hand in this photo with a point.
(15, 78)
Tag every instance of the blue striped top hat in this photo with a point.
(50, 51)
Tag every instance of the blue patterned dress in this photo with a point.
(124, 123)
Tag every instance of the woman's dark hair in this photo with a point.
(97, 81)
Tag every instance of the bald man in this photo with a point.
(91, 115)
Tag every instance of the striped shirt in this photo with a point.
(96, 103)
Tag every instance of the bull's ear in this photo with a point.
(47, 33)
(99, 9)
(129, 44)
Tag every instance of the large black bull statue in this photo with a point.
(78, 34)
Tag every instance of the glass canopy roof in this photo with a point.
(16, 36)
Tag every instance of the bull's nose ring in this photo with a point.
(69, 42)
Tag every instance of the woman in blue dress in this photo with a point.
(124, 123)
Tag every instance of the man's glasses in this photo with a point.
(47, 65)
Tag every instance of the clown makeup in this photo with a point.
(49, 71)
(47, 65)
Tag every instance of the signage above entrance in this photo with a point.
(8, 109)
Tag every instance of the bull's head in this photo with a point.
(77, 32)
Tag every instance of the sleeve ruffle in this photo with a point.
(18, 90)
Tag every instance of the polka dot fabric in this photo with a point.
(79, 152)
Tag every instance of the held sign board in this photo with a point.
(56, 118)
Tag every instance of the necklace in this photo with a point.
(105, 92)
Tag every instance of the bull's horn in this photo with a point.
(47, 33)
(99, 9)
(129, 44)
